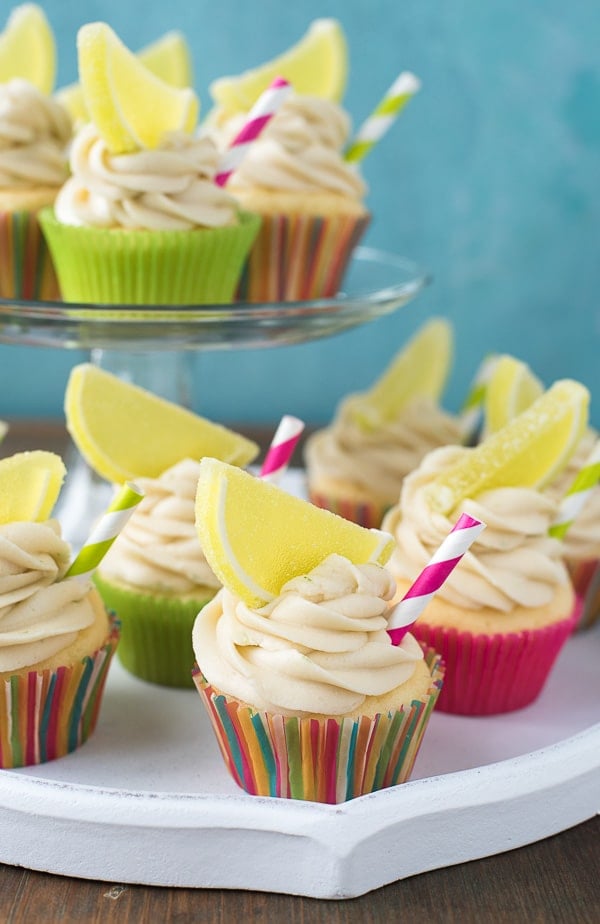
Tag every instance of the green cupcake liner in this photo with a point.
(156, 632)
(138, 267)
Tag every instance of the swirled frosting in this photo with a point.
(40, 614)
(169, 188)
(299, 151)
(379, 459)
(34, 133)
(158, 549)
(512, 563)
(582, 541)
(320, 647)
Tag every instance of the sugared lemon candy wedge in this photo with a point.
(30, 483)
(529, 451)
(125, 432)
(420, 368)
(317, 65)
(131, 107)
(256, 536)
(512, 388)
(27, 48)
(168, 58)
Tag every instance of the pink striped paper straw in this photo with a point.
(433, 575)
(282, 447)
(266, 106)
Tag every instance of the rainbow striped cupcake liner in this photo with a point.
(366, 513)
(300, 257)
(585, 577)
(26, 268)
(320, 760)
(48, 714)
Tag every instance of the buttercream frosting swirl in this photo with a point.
(582, 540)
(512, 563)
(169, 188)
(40, 614)
(299, 151)
(34, 134)
(158, 548)
(377, 460)
(320, 647)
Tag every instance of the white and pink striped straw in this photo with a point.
(266, 106)
(282, 448)
(433, 575)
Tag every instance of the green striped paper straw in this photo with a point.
(105, 532)
(383, 116)
(3, 429)
(574, 500)
(472, 407)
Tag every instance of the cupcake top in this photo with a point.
(158, 549)
(34, 134)
(40, 614)
(299, 151)
(320, 647)
(513, 563)
(582, 540)
(378, 459)
(166, 188)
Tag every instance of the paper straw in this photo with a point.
(383, 116)
(574, 500)
(472, 408)
(267, 105)
(3, 429)
(282, 447)
(416, 598)
(105, 532)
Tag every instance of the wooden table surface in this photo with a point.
(554, 880)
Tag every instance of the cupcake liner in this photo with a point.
(366, 513)
(585, 577)
(318, 759)
(156, 633)
(47, 714)
(300, 257)
(26, 268)
(138, 267)
(492, 674)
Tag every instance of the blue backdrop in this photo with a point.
(490, 179)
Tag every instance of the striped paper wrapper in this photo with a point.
(300, 257)
(318, 759)
(492, 674)
(585, 577)
(366, 513)
(26, 268)
(48, 714)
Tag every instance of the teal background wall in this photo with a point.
(490, 179)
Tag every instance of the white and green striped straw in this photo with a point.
(383, 116)
(472, 407)
(105, 532)
(3, 429)
(574, 500)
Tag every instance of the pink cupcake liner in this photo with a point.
(26, 268)
(585, 577)
(491, 674)
(321, 760)
(47, 714)
(365, 513)
(300, 257)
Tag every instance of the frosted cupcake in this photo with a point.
(503, 615)
(310, 201)
(56, 639)
(307, 695)
(355, 466)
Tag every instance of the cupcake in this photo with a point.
(504, 613)
(140, 220)
(56, 639)
(355, 466)
(309, 199)
(307, 695)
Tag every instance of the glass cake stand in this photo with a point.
(154, 346)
